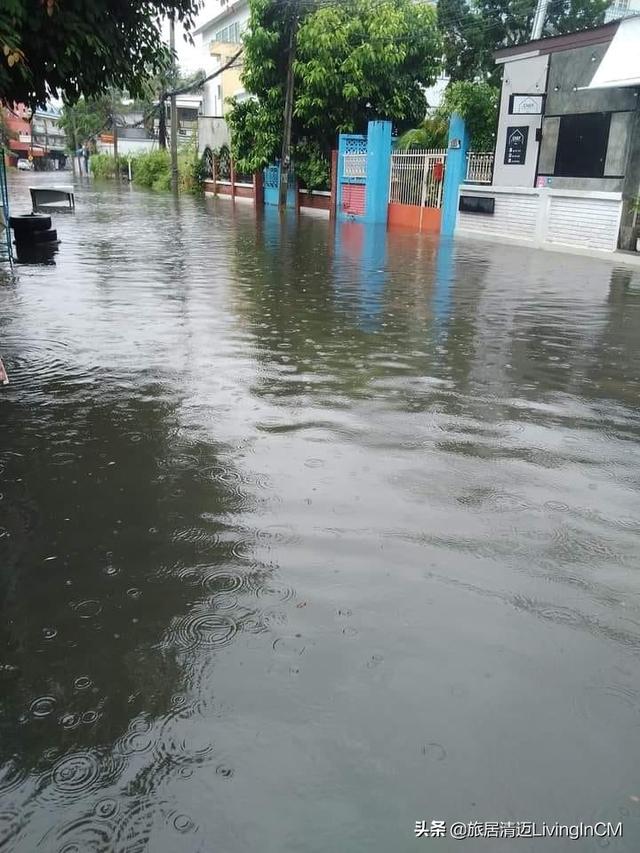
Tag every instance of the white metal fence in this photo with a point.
(479, 167)
(417, 177)
(355, 166)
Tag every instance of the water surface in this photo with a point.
(308, 535)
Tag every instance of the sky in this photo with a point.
(192, 57)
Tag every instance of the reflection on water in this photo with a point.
(307, 535)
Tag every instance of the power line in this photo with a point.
(198, 83)
(479, 22)
(481, 26)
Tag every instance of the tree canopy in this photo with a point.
(476, 102)
(89, 116)
(473, 30)
(356, 60)
(70, 48)
(86, 118)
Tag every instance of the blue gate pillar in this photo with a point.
(455, 172)
(378, 171)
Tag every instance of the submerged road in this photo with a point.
(306, 536)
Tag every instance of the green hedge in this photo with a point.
(152, 169)
(102, 166)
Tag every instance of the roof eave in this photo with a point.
(552, 44)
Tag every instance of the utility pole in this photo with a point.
(538, 19)
(285, 159)
(72, 117)
(174, 112)
(162, 121)
(115, 130)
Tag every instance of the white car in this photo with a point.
(25, 165)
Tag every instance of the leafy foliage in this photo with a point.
(313, 166)
(85, 119)
(365, 59)
(102, 166)
(473, 30)
(256, 131)
(432, 133)
(70, 48)
(356, 60)
(477, 103)
(152, 169)
(6, 134)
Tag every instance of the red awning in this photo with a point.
(25, 148)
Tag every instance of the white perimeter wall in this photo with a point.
(546, 217)
(127, 146)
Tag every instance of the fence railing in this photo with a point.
(355, 166)
(479, 167)
(417, 177)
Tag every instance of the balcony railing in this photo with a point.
(479, 167)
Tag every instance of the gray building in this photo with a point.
(568, 139)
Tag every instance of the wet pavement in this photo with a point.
(307, 536)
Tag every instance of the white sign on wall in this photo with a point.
(526, 104)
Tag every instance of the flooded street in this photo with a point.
(306, 536)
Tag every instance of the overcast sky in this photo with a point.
(191, 57)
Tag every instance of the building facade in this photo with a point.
(188, 108)
(567, 157)
(35, 136)
(221, 36)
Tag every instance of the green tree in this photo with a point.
(431, 133)
(356, 60)
(477, 103)
(472, 30)
(71, 48)
(6, 134)
(89, 116)
(85, 119)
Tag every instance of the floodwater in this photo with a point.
(307, 536)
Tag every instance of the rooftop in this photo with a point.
(225, 10)
(552, 44)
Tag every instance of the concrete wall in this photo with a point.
(569, 70)
(631, 188)
(127, 146)
(617, 156)
(227, 84)
(546, 217)
(213, 133)
(209, 97)
(569, 73)
(520, 77)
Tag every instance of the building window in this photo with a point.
(187, 114)
(229, 35)
(582, 145)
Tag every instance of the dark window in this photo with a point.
(582, 145)
(187, 114)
